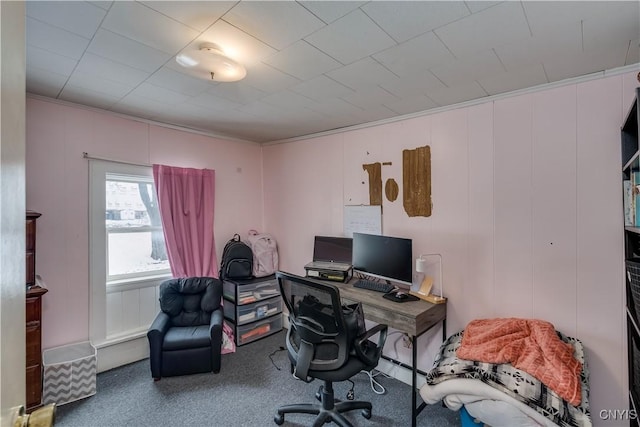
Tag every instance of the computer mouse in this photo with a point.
(401, 295)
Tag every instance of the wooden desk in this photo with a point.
(414, 317)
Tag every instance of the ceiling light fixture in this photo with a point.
(211, 58)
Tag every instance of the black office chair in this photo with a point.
(186, 336)
(322, 345)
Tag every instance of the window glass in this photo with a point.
(135, 241)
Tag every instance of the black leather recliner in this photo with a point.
(186, 336)
(323, 343)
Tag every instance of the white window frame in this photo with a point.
(100, 289)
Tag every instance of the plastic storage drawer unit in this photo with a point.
(253, 331)
(241, 314)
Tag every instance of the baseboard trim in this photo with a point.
(122, 353)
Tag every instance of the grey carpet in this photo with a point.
(252, 383)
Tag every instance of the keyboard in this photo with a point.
(374, 286)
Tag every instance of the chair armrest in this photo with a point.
(159, 327)
(364, 348)
(215, 324)
(155, 335)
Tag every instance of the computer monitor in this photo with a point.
(384, 257)
(332, 249)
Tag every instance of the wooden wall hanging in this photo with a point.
(416, 180)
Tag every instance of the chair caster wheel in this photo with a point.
(366, 413)
(319, 394)
(279, 419)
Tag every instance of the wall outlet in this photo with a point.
(407, 341)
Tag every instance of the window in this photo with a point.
(135, 241)
(127, 253)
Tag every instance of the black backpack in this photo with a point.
(237, 260)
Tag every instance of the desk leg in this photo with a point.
(414, 385)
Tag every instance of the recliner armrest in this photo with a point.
(215, 324)
(155, 335)
(160, 326)
(363, 348)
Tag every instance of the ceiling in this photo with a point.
(315, 66)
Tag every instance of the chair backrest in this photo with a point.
(317, 329)
(190, 301)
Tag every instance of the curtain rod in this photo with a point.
(89, 157)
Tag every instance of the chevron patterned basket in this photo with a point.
(69, 373)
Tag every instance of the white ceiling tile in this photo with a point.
(44, 82)
(56, 40)
(87, 97)
(76, 17)
(139, 106)
(362, 74)
(542, 15)
(414, 17)
(285, 94)
(321, 88)
(48, 61)
(288, 99)
(104, 4)
(411, 104)
(335, 107)
(619, 23)
(268, 79)
(556, 42)
(421, 52)
(140, 23)
(420, 81)
(235, 43)
(457, 94)
(179, 82)
(486, 29)
(107, 69)
(373, 96)
(469, 67)
(239, 92)
(374, 113)
(302, 60)
(263, 110)
(529, 76)
(160, 94)
(92, 82)
(585, 63)
(478, 5)
(198, 15)
(329, 11)
(351, 38)
(208, 100)
(126, 51)
(278, 24)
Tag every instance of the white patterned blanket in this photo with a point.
(517, 384)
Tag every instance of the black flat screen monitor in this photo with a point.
(332, 249)
(384, 257)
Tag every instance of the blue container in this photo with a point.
(467, 420)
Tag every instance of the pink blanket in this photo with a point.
(529, 345)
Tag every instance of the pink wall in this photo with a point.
(526, 211)
(57, 186)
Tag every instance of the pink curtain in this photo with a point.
(186, 201)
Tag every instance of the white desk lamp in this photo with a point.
(427, 282)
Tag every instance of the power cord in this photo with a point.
(351, 394)
(375, 385)
(273, 354)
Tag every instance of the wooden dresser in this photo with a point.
(33, 320)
